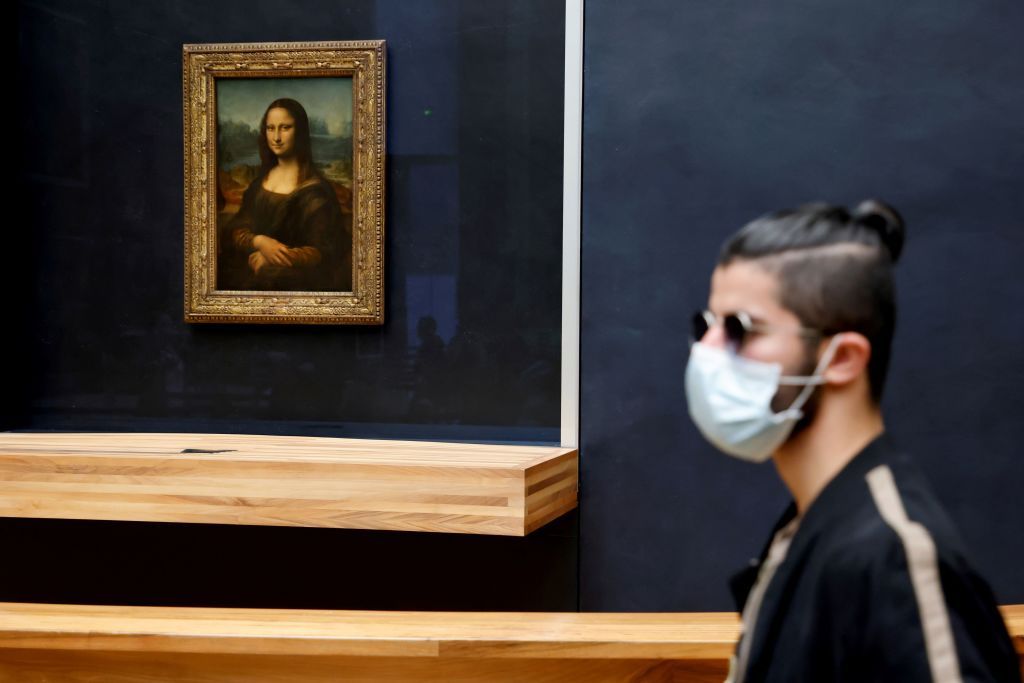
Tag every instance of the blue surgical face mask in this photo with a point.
(730, 400)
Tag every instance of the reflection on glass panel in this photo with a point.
(471, 346)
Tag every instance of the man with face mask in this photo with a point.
(864, 577)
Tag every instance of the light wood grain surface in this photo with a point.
(40, 642)
(287, 481)
(369, 633)
(39, 666)
(1014, 616)
(92, 643)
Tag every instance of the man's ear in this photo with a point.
(850, 360)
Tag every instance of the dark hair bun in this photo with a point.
(885, 220)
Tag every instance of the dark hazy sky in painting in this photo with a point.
(245, 99)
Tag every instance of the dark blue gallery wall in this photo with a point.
(699, 117)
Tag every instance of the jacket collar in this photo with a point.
(833, 500)
(846, 487)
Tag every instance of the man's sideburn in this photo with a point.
(787, 394)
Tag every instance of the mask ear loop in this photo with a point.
(809, 382)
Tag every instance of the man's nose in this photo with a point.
(715, 336)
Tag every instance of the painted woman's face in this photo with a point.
(281, 132)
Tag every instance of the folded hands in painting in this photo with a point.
(270, 251)
(256, 261)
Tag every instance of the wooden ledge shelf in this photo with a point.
(506, 635)
(88, 643)
(287, 481)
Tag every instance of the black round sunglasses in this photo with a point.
(737, 326)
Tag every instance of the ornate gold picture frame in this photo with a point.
(284, 182)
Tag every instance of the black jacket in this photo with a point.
(871, 584)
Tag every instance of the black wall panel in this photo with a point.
(212, 565)
(700, 117)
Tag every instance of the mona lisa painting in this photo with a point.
(284, 183)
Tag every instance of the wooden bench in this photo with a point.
(40, 642)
